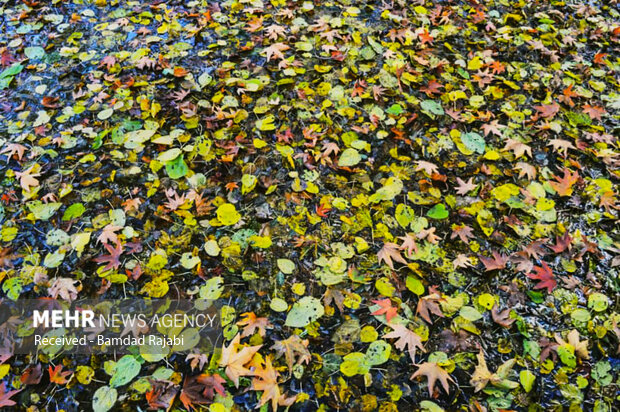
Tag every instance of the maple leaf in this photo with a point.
(322, 211)
(492, 127)
(199, 390)
(255, 24)
(517, 147)
(234, 360)
(113, 259)
(377, 92)
(545, 276)
(274, 31)
(561, 243)
(433, 373)
(595, 112)
(464, 232)
(57, 375)
(406, 339)
(197, 360)
(430, 304)
(27, 178)
(6, 395)
(522, 260)
(14, 148)
(465, 187)
(211, 383)
(292, 348)
(108, 62)
(502, 318)
(482, 376)
(427, 167)
(548, 110)
(565, 183)
(526, 169)
(536, 249)
(425, 37)
(386, 309)
(132, 204)
(496, 263)
(388, 252)
(431, 88)
(330, 147)
(429, 234)
(252, 323)
(266, 380)
(461, 261)
(108, 234)
(408, 244)
(561, 146)
(32, 375)
(275, 50)
(162, 394)
(65, 287)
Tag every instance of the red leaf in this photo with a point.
(32, 375)
(561, 243)
(57, 375)
(545, 276)
(386, 309)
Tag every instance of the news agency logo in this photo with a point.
(154, 326)
(86, 318)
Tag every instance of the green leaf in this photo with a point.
(395, 109)
(349, 157)
(73, 211)
(438, 212)
(43, 211)
(104, 399)
(11, 71)
(286, 266)
(35, 52)
(432, 106)
(598, 302)
(105, 114)
(212, 289)
(378, 352)
(474, 142)
(12, 287)
(527, 379)
(306, 310)
(177, 168)
(470, 313)
(125, 370)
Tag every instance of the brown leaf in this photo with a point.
(498, 262)
(406, 339)
(388, 252)
(433, 373)
(294, 350)
(502, 318)
(430, 304)
(162, 394)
